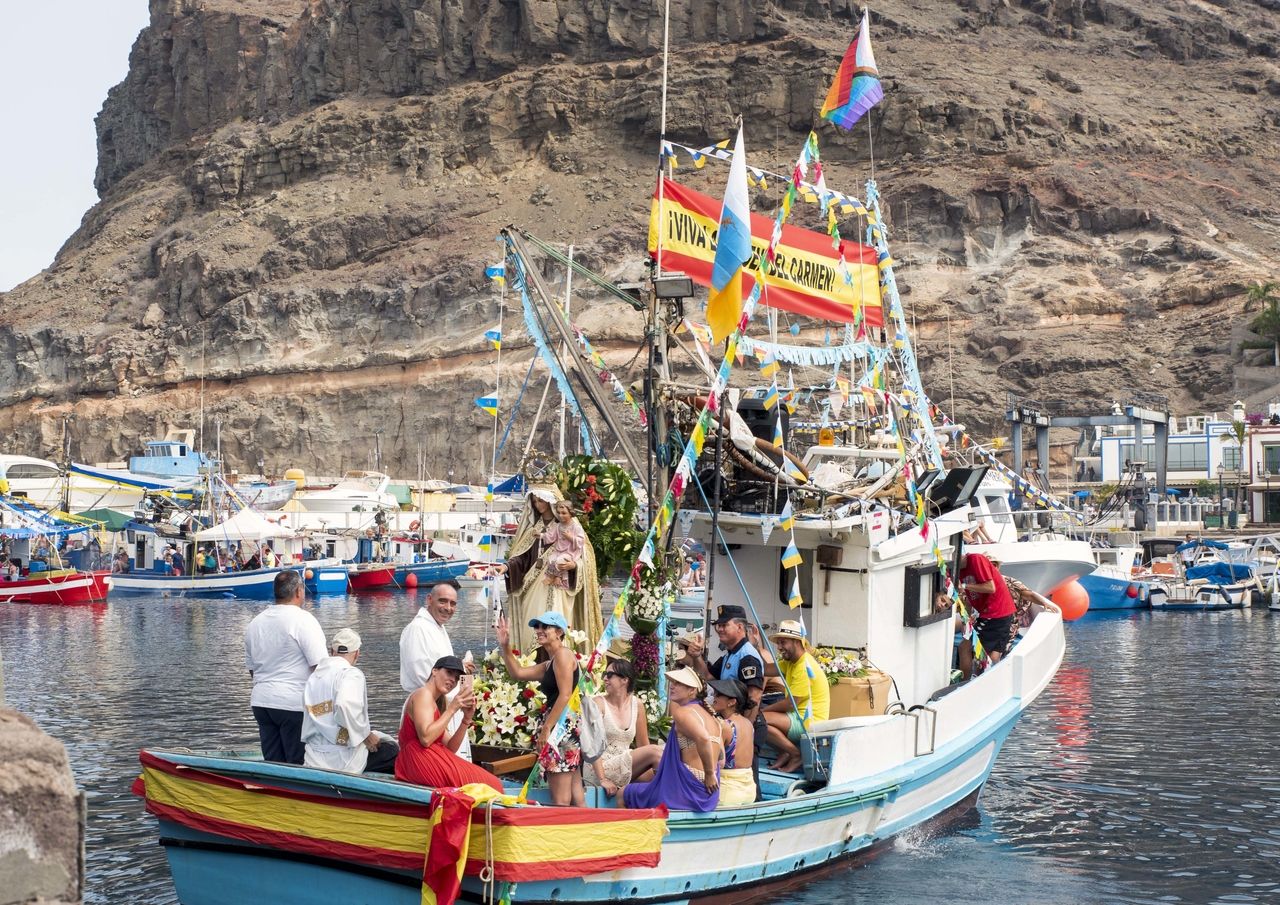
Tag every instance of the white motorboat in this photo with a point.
(358, 491)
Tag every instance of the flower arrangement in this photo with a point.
(647, 604)
(506, 710)
(838, 663)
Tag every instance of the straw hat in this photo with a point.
(685, 676)
(789, 628)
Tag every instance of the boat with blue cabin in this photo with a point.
(1115, 584)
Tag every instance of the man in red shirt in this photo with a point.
(988, 595)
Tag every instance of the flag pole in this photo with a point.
(662, 122)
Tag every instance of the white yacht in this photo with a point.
(358, 491)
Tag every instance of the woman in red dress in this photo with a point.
(426, 757)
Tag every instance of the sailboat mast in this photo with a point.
(568, 288)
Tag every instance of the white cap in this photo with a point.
(345, 641)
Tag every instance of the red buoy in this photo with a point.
(411, 580)
(1131, 592)
(308, 574)
(1072, 599)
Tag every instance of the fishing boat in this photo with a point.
(1043, 560)
(1201, 581)
(430, 571)
(1114, 584)
(38, 568)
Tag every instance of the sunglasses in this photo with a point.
(613, 675)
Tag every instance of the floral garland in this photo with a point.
(603, 493)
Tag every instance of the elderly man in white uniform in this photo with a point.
(335, 724)
(425, 640)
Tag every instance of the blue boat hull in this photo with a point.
(325, 581)
(1108, 593)
(432, 571)
(256, 585)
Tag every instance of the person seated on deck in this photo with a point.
(808, 686)
(13, 569)
(737, 781)
(688, 773)
(335, 723)
(427, 757)
(626, 726)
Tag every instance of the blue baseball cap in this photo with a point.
(551, 619)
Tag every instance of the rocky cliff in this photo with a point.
(298, 200)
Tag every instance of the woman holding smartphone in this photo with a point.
(428, 752)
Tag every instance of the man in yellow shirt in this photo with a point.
(808, 686)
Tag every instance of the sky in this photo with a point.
(57, 60)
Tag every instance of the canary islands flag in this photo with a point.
(489, 404)
(497, 273)
(791, 556)
(495, 337)
(787, 520)
(768, 365)
(771, 398)
(856, 88)
(486, 543)
(733, 250)
(794, 599)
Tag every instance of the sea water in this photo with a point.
(1148, 772)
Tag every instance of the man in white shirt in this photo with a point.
(282, 645)
(424, 641)
(335, 724)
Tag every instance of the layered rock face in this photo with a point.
(299, 199)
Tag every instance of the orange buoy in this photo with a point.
(1073, 599)
(411, 580)
(308, 575)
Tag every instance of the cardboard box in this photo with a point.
(866, 696)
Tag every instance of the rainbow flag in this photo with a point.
(856, 88)
(489, 404)
(791, 556)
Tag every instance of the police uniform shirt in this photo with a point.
(742, 662)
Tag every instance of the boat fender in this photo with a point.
(1131, 592)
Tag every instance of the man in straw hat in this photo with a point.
(807, 684)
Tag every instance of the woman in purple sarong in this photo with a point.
(687, 777)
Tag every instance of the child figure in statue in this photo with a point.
(566, 539)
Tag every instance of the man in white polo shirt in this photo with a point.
(282, 645)
(425, 640)
(335, 724)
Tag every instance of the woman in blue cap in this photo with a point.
(556, 678)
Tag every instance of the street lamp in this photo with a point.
(1222, 497)
(1266, 500)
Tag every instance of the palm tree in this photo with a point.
(1267, 322)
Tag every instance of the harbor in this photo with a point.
(595, 454)
(1113, 789)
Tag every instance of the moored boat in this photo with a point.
(369, 576)
(61, 586)
(430, 571)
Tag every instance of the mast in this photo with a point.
(568, 287)
(66, 465)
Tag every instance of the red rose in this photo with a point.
(529, 692)
(515, 651)
(522, 719)
(485, 696)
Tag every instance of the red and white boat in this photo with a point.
(63, 586)
(367, 576)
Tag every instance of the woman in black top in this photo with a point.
(556, 678)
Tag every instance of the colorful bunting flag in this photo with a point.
(777, 434)
(768, 365)
(771, 398)
(489, 404)
(495, 337)
(795, 599)
(791, 556)
(497, 273)
(787, 520)
(486, 543)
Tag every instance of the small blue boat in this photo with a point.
(258, 584)
(431, 571)
(1112, 586)
(325, 578)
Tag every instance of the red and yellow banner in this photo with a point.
(805, 276)
(528, 843)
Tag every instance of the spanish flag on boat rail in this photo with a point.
(442, 839)
(805, 276)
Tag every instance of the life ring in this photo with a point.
(415, 525)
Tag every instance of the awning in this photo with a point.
(247, 524)
(109, 519)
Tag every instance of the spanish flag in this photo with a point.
(447, 855)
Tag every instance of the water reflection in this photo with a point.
(1144, 774)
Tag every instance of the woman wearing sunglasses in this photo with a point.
(626, 726)
(556, 678)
